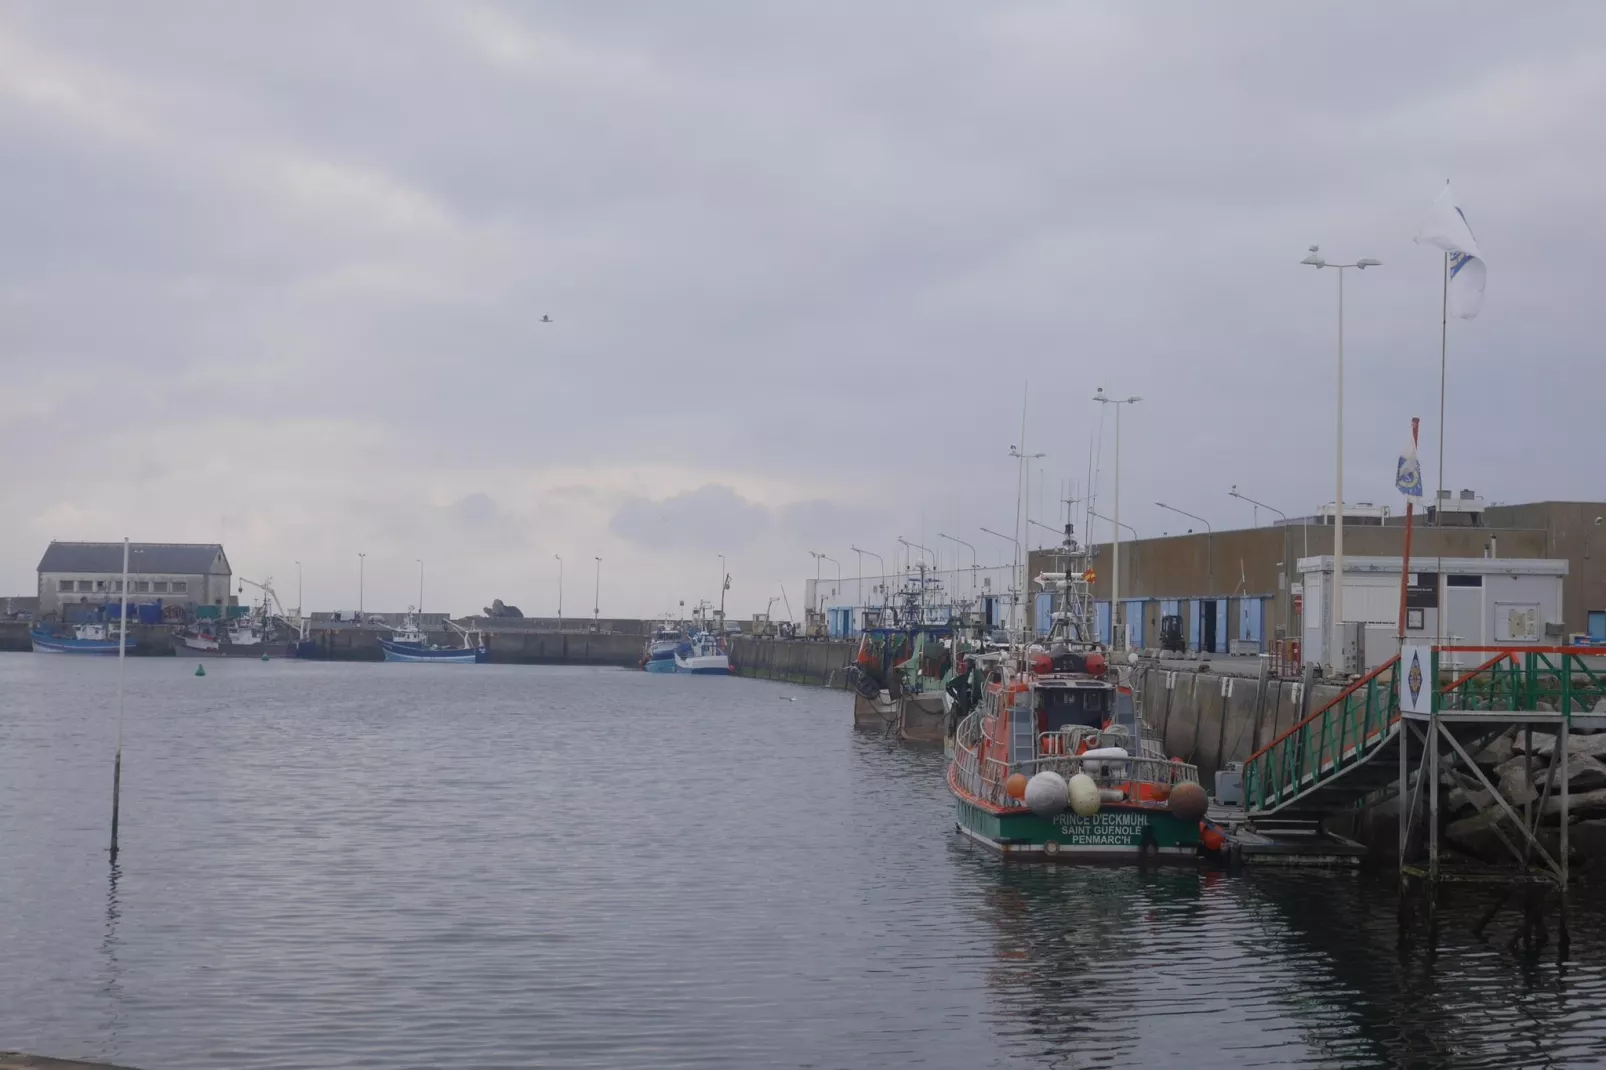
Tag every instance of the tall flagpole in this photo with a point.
(1444, 337)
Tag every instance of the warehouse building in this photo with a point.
(91, 574)
(1237, 591)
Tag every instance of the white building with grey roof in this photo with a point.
(91, 573)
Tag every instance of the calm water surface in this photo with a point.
(449, 866)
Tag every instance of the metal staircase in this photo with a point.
(1349, 750)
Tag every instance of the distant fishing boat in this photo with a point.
(194, 640)
(84, 639)
(659, 655)
(407, 643)
(702, 654)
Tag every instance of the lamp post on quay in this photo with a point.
(1335, 646)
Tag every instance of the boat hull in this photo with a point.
(55, 644)
(1114, 834)
(433, 655)
(704, 665)
(660, 664)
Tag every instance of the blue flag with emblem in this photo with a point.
(1408, 474)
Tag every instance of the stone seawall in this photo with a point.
(800, 661)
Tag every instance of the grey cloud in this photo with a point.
(824, 247)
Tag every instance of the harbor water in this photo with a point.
(353, 865)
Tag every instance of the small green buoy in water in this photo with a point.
(200, 670)
(264, 655)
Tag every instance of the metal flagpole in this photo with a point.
(1444, 336)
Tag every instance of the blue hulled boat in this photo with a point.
(85, 639)
(407, 643)
(660, 653)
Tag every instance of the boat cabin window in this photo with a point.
(1068, 707)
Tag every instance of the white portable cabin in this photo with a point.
(1463, 601)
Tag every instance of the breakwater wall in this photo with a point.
(800, 661)
(347, 642)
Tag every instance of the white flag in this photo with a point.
(1408, 474)
(1447, 229)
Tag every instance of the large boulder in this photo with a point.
(1511, 777)
(1476, 836)
(1498, 751)
(1580, 805)
(1592, 744)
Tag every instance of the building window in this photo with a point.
(63, 585)
(159, 586)
(142, 586)
(117, 585)
(1463, 581)
(100, 585)
(86, 585)
(180, 586)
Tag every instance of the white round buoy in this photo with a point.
(1046, 794)
(1083, 794)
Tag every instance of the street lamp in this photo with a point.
(1026, 460)
(1210, 551)
(559, 560)
(1016, 596)
(916, 546)
(1288, 586)
(973, 565)
(1100, 516)
(1115, 569)
(883, 565)
(1335, 641)
(596, 598)
(361, 617)
(835, 590)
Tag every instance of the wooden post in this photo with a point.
(122, 653)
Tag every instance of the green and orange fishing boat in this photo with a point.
(1053, 763)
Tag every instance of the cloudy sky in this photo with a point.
(275, 273)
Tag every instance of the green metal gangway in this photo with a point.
(1348, 752)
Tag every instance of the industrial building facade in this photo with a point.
(91, 573)
(1239, 590)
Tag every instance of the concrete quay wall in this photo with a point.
(800, 661)
(1211, 719)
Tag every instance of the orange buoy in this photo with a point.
(1212, 838)
(1015, 786)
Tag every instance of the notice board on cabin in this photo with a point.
(1422, 590)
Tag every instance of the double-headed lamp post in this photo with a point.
(1117, 632)
(1335, 645)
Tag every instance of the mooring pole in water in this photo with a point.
(122, 652)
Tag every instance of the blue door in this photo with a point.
(1250, 611)
(1134, 621)
(1045, 609)
(1221, 627)
(1102, 611)
(1195, 618)
(1597, 625)
(1172, 608)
